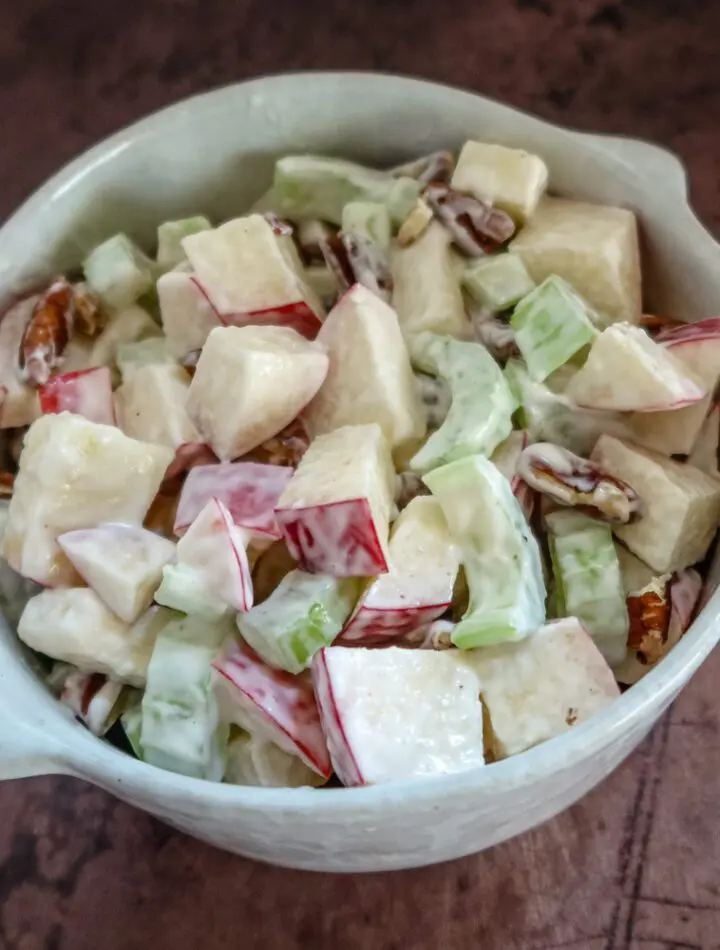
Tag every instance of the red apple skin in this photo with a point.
(338, 538)
(298, 316)
(249, 490)
(372, 626)
(286, 703)
(685, 588)
(708, 329)
(87, 392)
(343, 760)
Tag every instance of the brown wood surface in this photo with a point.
(636, 865)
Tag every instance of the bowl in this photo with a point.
(214, 153)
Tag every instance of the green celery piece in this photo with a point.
(119, 272)
(499, 553)
(551, 417)
(252, 760)
(131, 721)
(369, 219)
(482, 405)
(551, 324)
(303, 614)
(182, 588)
(131, 356)
(170, 251)
(588, 580)
(180, 729)
(314, 186)
(498, 281)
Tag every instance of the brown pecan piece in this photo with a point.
(574, 481)
(89, 316)
(649, 615)
(495, 334)
(285, 448)
(435, 167)
(354, 259)
(48, 332)
(656, 324)
(408, 485)
(476, 228)
(279, 226)
(309, 236)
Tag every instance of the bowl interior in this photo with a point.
(214, 154)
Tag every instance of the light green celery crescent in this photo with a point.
(588, 580)
(500, 555)
(482, 402)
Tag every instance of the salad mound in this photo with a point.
(389, 477)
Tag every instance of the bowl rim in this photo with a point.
(84, 755)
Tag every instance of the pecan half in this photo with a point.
(353, 259)
(649, 616)
(279, 226)
(309, 236)
(89, 316)
(48, 332)
(475, 227)
(286, 448)
(574, 481)
(435, 167)
(495, 334)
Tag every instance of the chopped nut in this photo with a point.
(416, 223)
(655, 323)
(574, 481)
(89, 316)
(279, 226)
(476, 228)
(286, 448)
(354, 259)
(47, 333)
(435, 167)
(309, 237)
(408, 485)
(495, 334)
(649, 615)
(571, 717)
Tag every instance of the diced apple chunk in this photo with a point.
(335, 512)
(397, 714)
(681, 505)
(697, 347)
(87, 393)
(510, 178)
(215, 547)
(271, 704)
(75, 474)
(542, 687)
(251, 275)
(426, 294)
(626, 370)
(250, 382)
(187, 314)
(75, 625)
(19, 403)
(593, 247)
(249, 490)
(424, 562)
(122, 563)
(152, 406)
(369, 377)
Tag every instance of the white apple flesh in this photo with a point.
(122, 563)
(335, 512)
(215, 547)
(397, 714)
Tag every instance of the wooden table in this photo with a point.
(636, 865)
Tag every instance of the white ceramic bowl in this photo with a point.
(214, 154)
